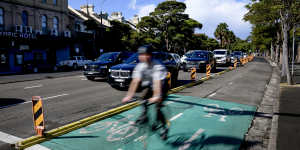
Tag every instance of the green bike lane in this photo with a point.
(195, 123)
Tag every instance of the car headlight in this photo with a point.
(85, 66)
(109, 70)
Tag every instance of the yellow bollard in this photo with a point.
(208, 69)
(235, 64)
(169, 79)
(38, 115)
(193, 74)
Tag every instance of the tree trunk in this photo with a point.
(272, 50)
(277, 48)
(285, 65)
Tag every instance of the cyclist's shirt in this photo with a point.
(149, 72)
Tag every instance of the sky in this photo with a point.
(208, 12)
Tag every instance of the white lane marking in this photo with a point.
(188, 142)
(81, 76)
(46, 98)
(7, 138)
(168, 103)
(230, 83)
(51, 97)
(213, 94)
(83, 79)
(175, 117)
(31, 87)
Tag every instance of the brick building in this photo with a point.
(31, 33)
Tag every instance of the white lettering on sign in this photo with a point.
(18, 35)
(188, 142)
(214, 110)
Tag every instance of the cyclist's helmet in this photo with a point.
(145, 49)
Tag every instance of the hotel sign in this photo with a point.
(18, 35)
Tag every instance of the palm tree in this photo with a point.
(221, 32)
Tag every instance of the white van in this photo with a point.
(222, 56)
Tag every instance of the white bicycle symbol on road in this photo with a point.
(222, 113)
(116, 132)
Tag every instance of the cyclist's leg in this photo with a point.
(160, 117)
(147, 93)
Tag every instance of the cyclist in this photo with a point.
(151, 75)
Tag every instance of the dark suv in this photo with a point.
(199, 59)
(120, 75)
(100, 67)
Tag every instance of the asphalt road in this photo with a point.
(68, 99)
(65, 100)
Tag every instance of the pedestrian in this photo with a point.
(150, 75)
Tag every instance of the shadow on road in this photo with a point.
(180, 140)
(6, 102)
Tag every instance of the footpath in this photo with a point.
(288, 136)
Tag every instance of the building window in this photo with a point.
(1, 19)
(44, 1)
(44, 24)
(55, 23)
(77, 27)
(54, 2)
(24, 18)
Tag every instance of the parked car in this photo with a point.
(238, 55)
(176, 57)
(222, 56)
(199, 59)
(100, 67)
(232, 59)
(120, 75)
(184, 57)
(75, 62)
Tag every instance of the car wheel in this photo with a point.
(35, 69)
(90, 78)
(75, 66)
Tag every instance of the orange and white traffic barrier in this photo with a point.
(38, 115)
(235, 64)
(169, 79)
(208, 70)
(193, 73)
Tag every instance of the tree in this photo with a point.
(271, 14)
(117, 36)
(221, 33)
(169, 27)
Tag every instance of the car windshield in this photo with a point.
(108, 56)
(220, 52)
(199, 55)
(156, 55)
(237, 53)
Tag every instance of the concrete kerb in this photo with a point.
(87, 121)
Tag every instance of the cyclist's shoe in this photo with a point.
(164, 133)
(142, 120)
(155, 126)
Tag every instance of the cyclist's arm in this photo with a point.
(133, 86)
(156, 91)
